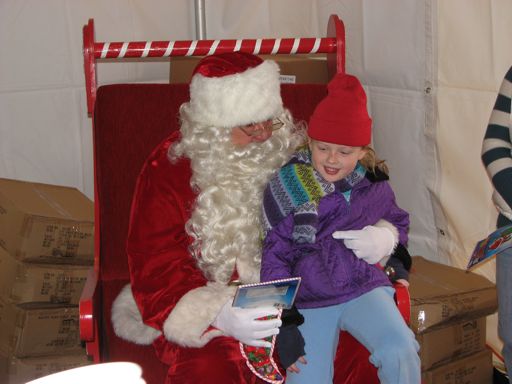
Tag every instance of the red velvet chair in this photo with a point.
(129, 120)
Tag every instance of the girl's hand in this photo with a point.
(370, 244)
(294, 367)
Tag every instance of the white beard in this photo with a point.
(226, 221)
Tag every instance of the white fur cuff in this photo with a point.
(386, 224)
(186, 325)
(127, 320)
(394, 231)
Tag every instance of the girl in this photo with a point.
(327, 216)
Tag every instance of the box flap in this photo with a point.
(442, 295)
(429, 279)
(48, 200)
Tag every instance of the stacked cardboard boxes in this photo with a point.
(46, 249)
(448, 310)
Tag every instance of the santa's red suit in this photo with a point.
(173, 298)
(176, 298)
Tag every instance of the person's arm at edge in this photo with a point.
(497, 145)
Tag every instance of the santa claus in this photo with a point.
(195, 223)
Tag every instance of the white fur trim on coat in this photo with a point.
(127, 320)
(243, 98)
(394, 231)
(186, 325)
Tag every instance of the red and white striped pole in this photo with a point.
(118, 50)
(332, 45)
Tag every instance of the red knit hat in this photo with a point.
(341, 117)
(235, 88)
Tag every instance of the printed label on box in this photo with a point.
(51, 241)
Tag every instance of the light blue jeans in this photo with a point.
(504, 287)
(375, 321)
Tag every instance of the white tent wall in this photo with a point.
(431, 69)
(472, 58)
(45, 134)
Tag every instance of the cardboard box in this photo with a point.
(26, 282)
(15, 370)
(442, 295)
(295, 69)
(474, 369)
(46, 223)
(443, 345)
(27, 331)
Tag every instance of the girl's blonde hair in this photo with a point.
(371, 162)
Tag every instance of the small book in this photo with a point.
(276, 293)
(485, 249)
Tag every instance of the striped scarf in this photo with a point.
(298, 188)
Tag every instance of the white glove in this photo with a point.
(242, 324)
(370, 243)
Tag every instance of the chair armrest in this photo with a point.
(86, 307)
(403, 301)
(87, 313)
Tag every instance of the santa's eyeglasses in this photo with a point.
(257, 129)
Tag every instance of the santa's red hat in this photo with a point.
(234, 89)
(341, 117)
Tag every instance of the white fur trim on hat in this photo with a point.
(239, 99)
(394, 231)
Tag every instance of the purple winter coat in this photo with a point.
(331, 273)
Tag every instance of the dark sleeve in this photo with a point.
(290, 345)
(289, 342)
(291, 316)
(399, 264)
